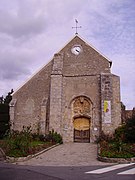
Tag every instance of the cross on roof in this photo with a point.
(76, 27)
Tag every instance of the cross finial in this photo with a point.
(76, 27)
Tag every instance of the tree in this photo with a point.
(130, 130)
(126, 132)
(4, 113)
(8, 97)
(1, 100)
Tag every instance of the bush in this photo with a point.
(4, 119)
(111, 150)
(19, 141)
(130, 130)
(53, 137)
(23, 143)
(104, 137)
(119, 134)
(121, 144)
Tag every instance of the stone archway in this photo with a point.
(81, 119)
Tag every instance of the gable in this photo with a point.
(87, 62)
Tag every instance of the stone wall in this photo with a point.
(110, 100)
(29, 101)
(46, 100)
(73, 87)
(88, 62)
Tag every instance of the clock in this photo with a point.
(76, 49)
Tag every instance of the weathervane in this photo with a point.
(76, 27)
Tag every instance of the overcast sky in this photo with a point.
(31, 31)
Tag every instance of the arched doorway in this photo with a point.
(82, 108)
(81, 129)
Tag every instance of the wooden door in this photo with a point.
(82, 136)
(82, 130)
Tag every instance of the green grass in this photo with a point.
(36, 143)
(24, 143)
(34, 147)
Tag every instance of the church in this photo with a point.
(75, 94)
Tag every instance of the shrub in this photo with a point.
(104, 137)
(23, 143)
(126, 132)
(130, 130)
(119, 138)
(119, 134)
(111, 150)
(54, 137)
(19, 141)
(121, 144)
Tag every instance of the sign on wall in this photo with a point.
(107, 111)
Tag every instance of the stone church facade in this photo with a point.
(75, 94)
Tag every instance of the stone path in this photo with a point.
(69, 154)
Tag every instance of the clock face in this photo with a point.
(76, 49)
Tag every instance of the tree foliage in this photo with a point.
(7, 99)
(4, 113)
(126, 132)
(130, 130)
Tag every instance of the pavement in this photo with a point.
(68, 154)
(70, 161)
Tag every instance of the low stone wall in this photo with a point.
(2, 155)
(116, 160)
(21, 159)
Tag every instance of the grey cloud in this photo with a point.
(12, 68)
(31, 30)
(34, 17)
(11, 72)
(17, 26)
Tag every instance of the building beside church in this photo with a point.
(75, 94)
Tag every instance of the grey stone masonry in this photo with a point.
(106, 86)
(78, 76)
(106, 94)
(110, 102)
(56, 94)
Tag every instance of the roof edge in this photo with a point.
(40, 69)
(31, 76)
(98, 51)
